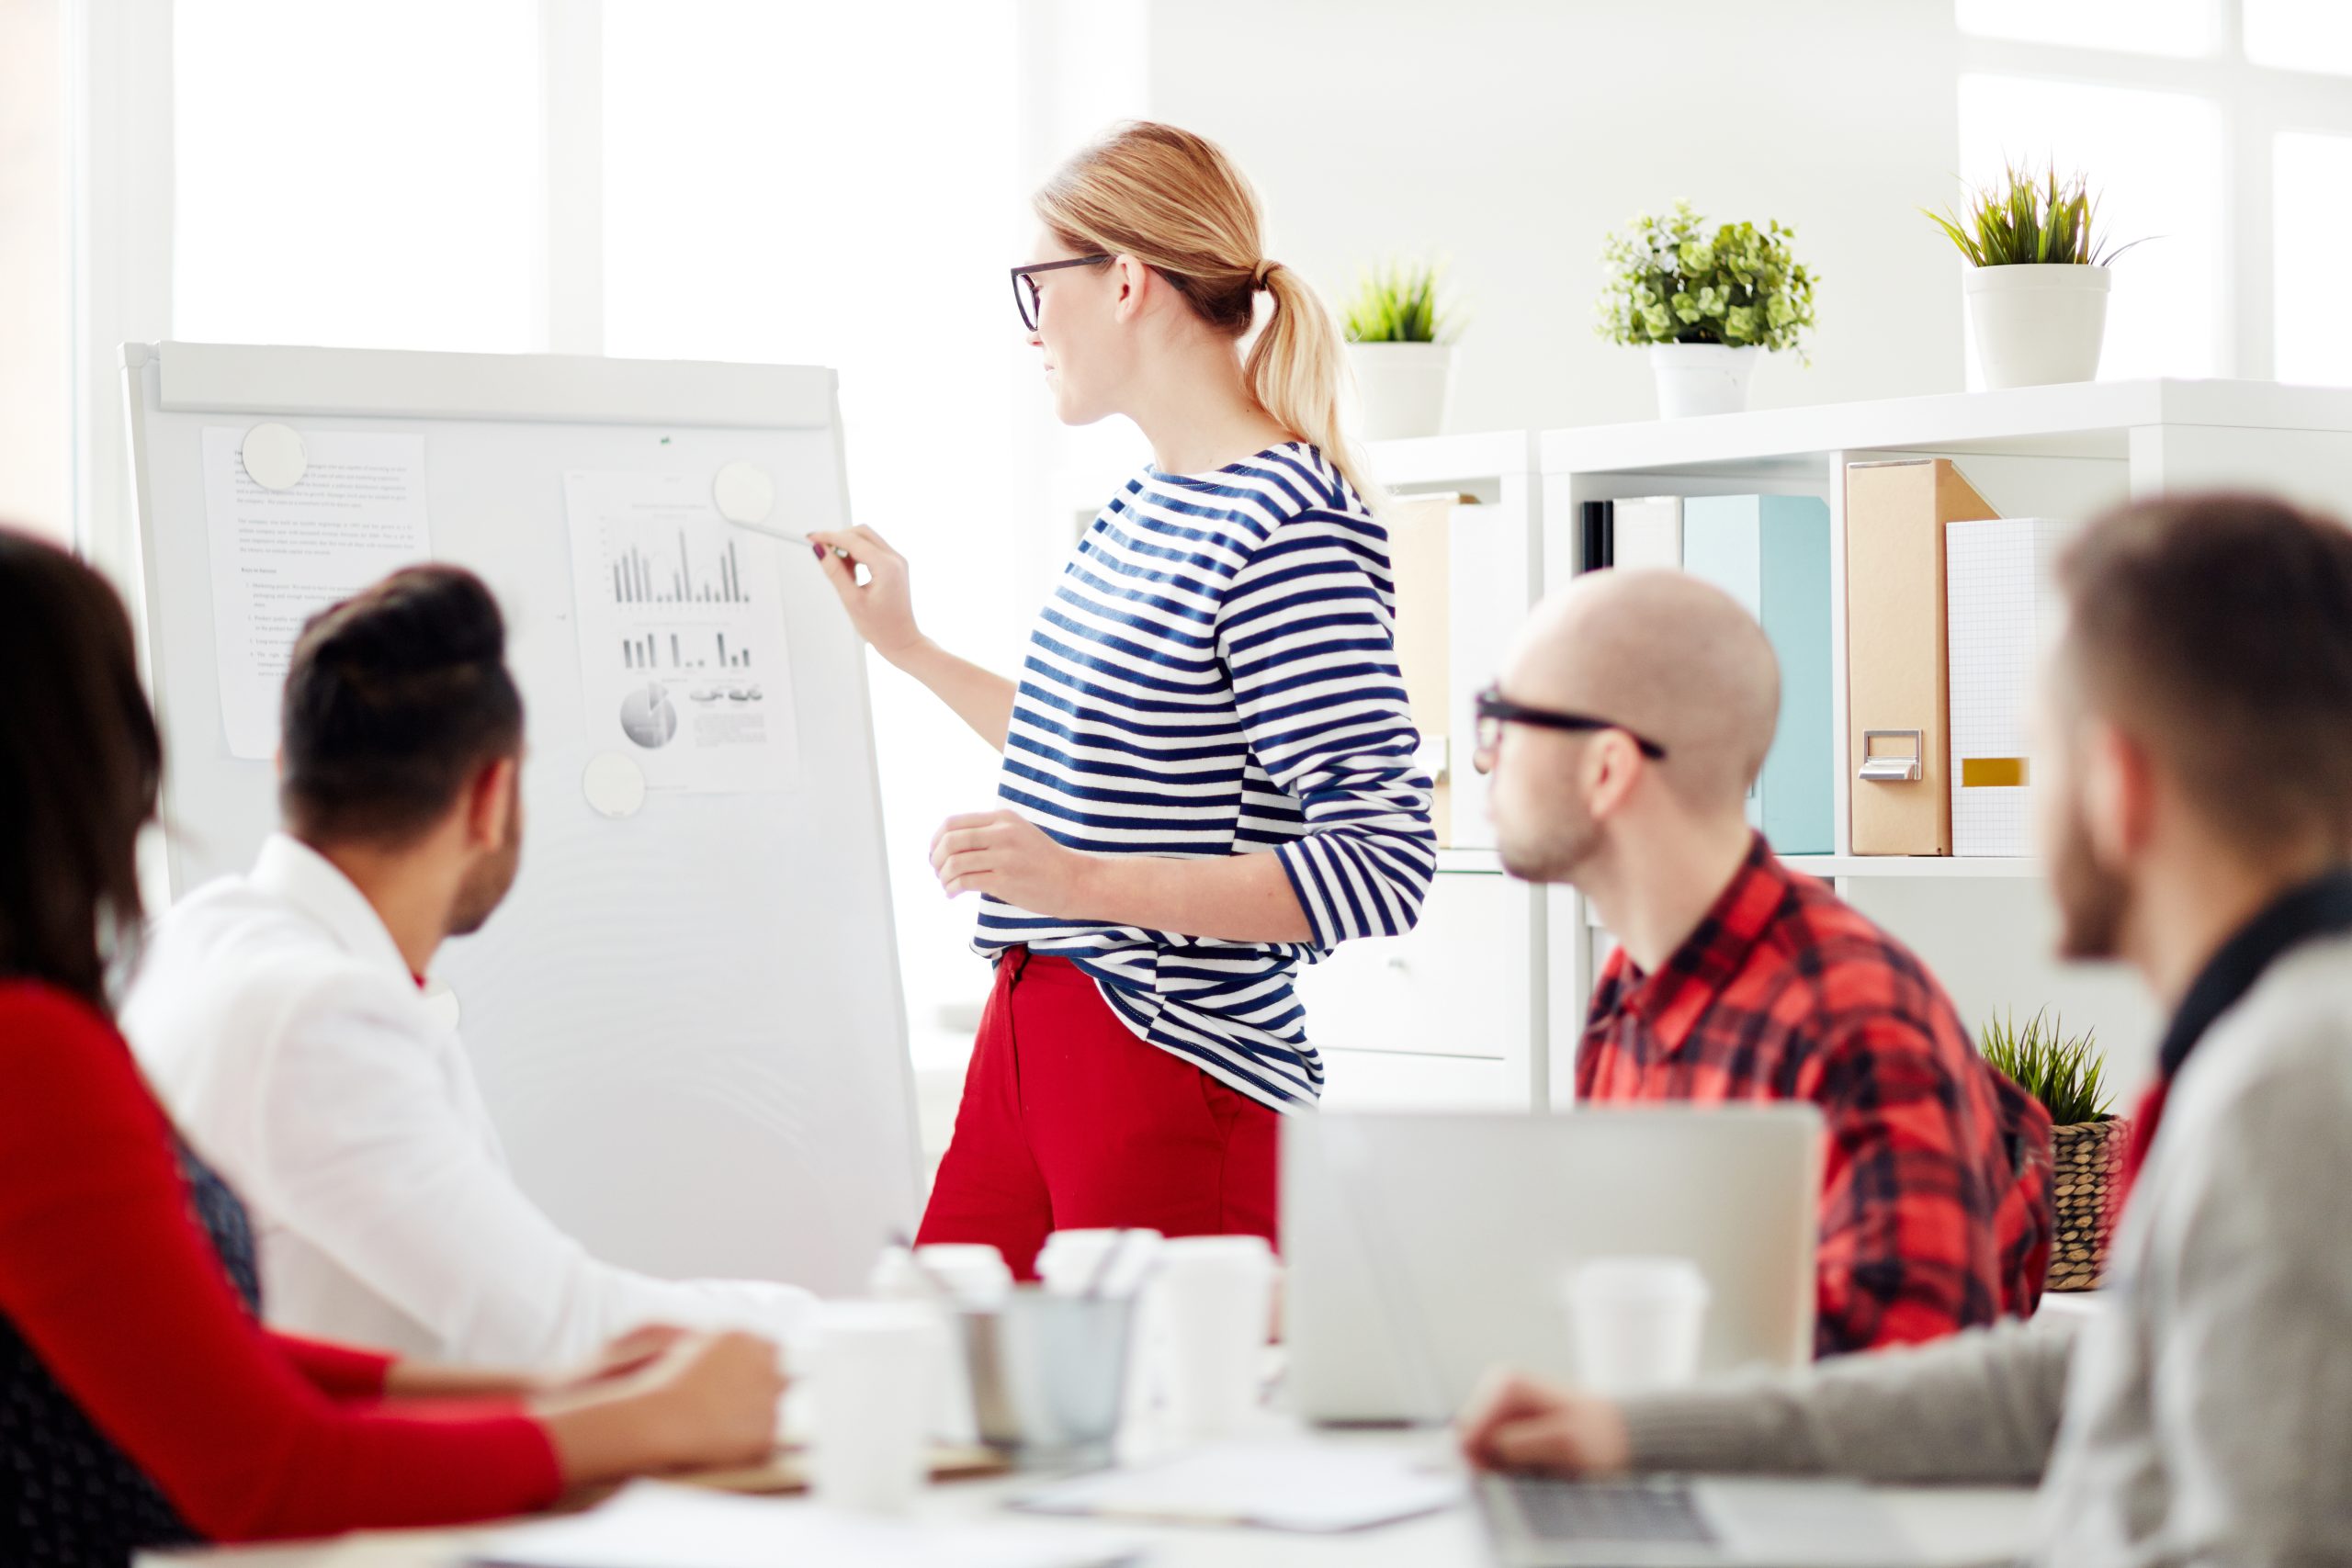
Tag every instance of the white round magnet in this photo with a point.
(615, 784)
(273, 456)
(743, 493)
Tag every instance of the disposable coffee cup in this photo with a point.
(1636, 1323)
(1213, 1301)
(873, 1376)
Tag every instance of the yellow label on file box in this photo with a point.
(1992, 772)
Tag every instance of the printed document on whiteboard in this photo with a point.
(280, 556)
(682, 655)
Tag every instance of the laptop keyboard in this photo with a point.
(1660, 1512)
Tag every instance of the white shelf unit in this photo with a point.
(1453, 1014)
(1983, 926)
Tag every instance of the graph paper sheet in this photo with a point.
(2001, 608)
(681, 639)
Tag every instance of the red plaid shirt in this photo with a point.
(1935, 1211)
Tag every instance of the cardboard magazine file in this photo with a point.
(1418, 561)
(1897, 679)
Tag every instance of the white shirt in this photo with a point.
(274, 1015)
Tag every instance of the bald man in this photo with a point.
(1622, 739)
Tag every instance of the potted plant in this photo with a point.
(2037, 279)
(2086, 1143)
(1400, 347)
(1705, 305)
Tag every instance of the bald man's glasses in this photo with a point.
(1495, 710)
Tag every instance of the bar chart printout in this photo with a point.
(682, 636)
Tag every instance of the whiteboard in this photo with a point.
(687, 1022)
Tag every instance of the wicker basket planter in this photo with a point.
(2085, 1159)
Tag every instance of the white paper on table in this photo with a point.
(682, 636)
(279, 556)
(1314, 1487)
(653, 1525)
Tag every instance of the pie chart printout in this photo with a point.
(647, 718)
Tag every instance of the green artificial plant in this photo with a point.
(1398, 303)
(1671, 281)
(2063, 1073)
(2023, 219)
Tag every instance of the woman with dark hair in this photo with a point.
(142, 1401)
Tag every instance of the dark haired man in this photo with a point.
(281, 1015)
(2194, 786)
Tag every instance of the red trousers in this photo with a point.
(1070, 1121)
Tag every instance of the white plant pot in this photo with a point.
(1700, 377)
(1402, 388)
(2038, 322)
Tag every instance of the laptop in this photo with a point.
(1486, 1213)
(1635, 1522)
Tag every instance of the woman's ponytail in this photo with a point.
(1299, 373)
(1175, 202)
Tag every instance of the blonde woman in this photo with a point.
(1208, 776)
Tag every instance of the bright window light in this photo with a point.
(2314, 336)
(2141, 26)
(2299, 35)
(2156, 163)
(797, 184)
(361, 177)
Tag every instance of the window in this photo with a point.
(365, 176)
(2299, 35)
(2216, 127)
(2313, 331)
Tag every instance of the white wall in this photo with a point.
(1512, 135)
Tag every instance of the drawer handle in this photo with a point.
(1891, 770)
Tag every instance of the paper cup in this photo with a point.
(1213, 1303)
(1636, 1323)
(872, 1375)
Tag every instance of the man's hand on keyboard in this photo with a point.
(1518, 1423)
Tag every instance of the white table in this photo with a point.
(1954, 1525)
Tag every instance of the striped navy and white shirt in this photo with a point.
(1215, 674)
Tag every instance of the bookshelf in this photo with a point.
(1983, 925)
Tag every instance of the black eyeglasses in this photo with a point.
(1024, 284)
(1495, 710)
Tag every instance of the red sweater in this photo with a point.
(105, 1273)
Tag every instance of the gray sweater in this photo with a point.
(2205, 1417)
